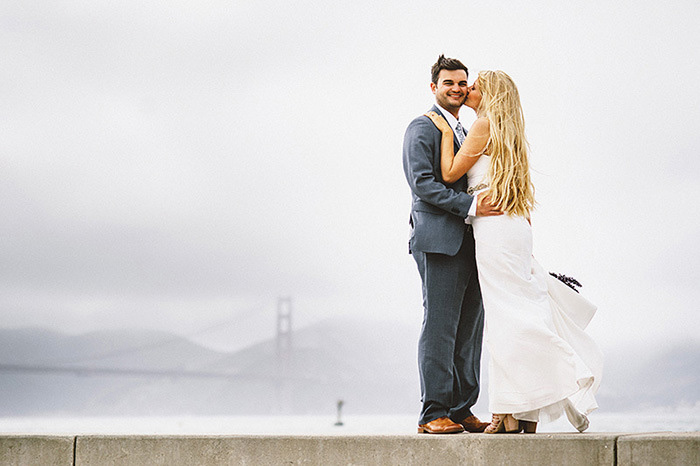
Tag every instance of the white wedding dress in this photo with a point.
(542, 362)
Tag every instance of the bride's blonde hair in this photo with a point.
(509, 172)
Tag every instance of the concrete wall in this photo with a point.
(659, 448)
(21, 450)
(541, 449)
(468, 449)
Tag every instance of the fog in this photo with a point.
(179, 165)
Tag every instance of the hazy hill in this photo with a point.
(49, 392)
(371, 366)
(668, 377)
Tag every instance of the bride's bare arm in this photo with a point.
(452, 166)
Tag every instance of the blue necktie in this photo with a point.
(459, 130)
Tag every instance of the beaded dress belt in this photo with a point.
(472, 189)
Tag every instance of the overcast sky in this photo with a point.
(178, 165)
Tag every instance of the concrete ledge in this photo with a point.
(21, 450)
(470, 449)
(659, 448)
(475, 449)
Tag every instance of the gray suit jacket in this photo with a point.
(438, 209)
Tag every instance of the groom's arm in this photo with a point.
(418, 147)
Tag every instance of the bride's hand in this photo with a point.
(440, 122)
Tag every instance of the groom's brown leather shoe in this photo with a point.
(442, 425)
(473, 424)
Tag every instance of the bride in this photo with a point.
(542, 363)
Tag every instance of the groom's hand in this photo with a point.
(484, 208)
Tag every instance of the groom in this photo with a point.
(442, 244)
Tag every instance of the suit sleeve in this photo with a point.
(418, 149)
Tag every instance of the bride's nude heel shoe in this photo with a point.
(528, 427)
(503, 423)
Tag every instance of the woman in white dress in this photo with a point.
(542, 364)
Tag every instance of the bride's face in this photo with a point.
(474, 96)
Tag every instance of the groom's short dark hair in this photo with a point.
(443, 63)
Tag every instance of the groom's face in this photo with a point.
(451, 89)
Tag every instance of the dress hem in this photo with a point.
(510, 408)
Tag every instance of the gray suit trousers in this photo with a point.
(449, 349)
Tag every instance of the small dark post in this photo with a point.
(284, 355)
(339, 422)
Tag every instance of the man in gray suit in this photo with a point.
(442, 244)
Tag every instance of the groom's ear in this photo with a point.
(433, 87)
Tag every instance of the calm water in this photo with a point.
(679, 420)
